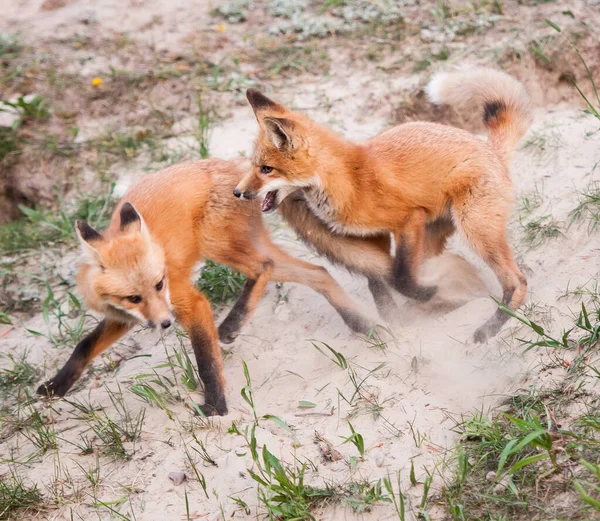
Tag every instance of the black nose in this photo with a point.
(165, 324)
(236, 192)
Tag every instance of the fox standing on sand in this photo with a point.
(420, 181)
(140, 269)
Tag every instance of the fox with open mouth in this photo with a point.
(418, 181)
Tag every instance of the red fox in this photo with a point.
(420, 181)
(140, 268)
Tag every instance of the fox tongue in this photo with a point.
(268, 202)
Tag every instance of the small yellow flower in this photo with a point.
(96, 82)
(221, 28)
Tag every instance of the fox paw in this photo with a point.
(424, 293)
(213, 410)
(481, 335)
(227, 337)
(54, 387)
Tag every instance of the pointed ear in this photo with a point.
(89, 238)
(282, 132)
(259, 102)
(132, 220)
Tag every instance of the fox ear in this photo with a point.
(89, 238)
(131, 220)
(282, 132)
(258, 101)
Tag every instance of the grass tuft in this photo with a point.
(16, 496)
(588, 208)
(219, 283)
(20, 375)
(113, 432)
(539, 231)
(41, 228)
(27, 110)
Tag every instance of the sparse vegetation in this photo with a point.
(116, 431)
(540, 230)
(125, 145)
(540, 445)
(593, 103)
(9, 144)
(16, 496)
(17, 376)
(442, 55)
(40, 228)
(282, 491)
(544, 141)
(588, 208)
(508, 463)
(27, 110)
(219, 283)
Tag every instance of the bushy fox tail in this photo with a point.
(506, 107)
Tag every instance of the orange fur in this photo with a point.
(141, 267)
(405, 180)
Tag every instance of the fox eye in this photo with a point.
(160, 285)
(266, 169)
(134, 299)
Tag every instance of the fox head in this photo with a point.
(281, 162)
(124, 276)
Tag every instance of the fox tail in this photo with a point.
(505, 104)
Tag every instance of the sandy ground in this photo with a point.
(424, 379)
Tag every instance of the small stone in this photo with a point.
(502, 485)
(177, 477)
(379, 461)
(145, 455)
(490, 476)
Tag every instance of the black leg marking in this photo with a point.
(495, 323)
(355, 321)
(403, 278)
(386, 306)
(230, 327)
(439, 226)
(71, 371)
(210, 373)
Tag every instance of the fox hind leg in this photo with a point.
(385, 303)
(514, 288)
(485, 232)
(410, 250)
(437, 233)
(290, 269)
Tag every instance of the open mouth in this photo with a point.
(268, 203)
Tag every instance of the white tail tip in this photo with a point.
(434, 87)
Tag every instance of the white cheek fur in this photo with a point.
(131, 312)
(168, 299)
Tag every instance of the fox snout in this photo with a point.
(245, 195)
(158, 313)
(164, 324)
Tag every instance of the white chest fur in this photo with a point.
(320, 205)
